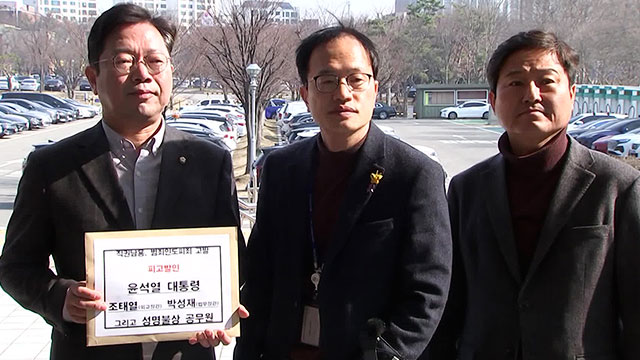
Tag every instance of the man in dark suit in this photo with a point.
(129, 171)
(546, 233)
(352, 235)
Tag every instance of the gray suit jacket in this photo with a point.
(70, 188)
(580, 297)
(389, 257)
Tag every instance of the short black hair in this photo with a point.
(121, 14)
(529, 40)
(323, 36)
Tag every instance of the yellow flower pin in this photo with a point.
(375, 177)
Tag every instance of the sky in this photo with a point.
(357, 7)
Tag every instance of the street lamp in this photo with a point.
(252, 70)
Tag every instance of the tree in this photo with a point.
(241, 36)
(68, 55)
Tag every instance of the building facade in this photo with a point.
(281, 12)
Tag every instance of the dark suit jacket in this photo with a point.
(580, 297)
(389, 258)
(70, 188)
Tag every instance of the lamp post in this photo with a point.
(252, 70)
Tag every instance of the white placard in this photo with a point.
(159, 282)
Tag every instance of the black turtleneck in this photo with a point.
(531, 181)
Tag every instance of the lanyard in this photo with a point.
(317, 267)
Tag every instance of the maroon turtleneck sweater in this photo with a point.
(531, 181)
(332, 173)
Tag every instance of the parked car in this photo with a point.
(54, 85)
(596, 124)
(468, 109)
(217, 127)
(65, 115)
(4, 83)
(201, 103)
(227, 119)
(585, 118)
(272, 107)
(236, 115)
(19, 121)
(44, 119)
(383, 111)
(30, 121)
(29, 84)
(85, 111)
(620, 127)
(201, 133)
(619, 145)
(290, 109)
(286, 126)
(31, 105)
(8, 127)
(50, 99)
(83, 85)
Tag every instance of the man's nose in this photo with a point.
(532, 93)
(140, 72)
(343, 92)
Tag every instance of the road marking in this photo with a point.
(15, 174)
(11, 162)
(459, 136)
(469, 141)
(475, 127)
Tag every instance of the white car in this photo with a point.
(619, 145)
(4, 83)
(290, 109)
(468, 109)
(217, 127)
(238, 117)
(29, 85)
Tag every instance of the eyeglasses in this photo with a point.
(155, 63)
(355, 82)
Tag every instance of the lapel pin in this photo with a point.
(183, 160)
(375, 178)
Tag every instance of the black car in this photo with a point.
(383, 111)
(84, 85)
(54, 85)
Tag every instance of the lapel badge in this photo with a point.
(182, 160)
(375, 178)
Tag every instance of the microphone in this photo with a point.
(370, 336)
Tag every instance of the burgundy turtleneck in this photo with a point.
(531, 181)
(332, 173)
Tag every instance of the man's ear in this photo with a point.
(492, 101)
(304, 93)
(92, 75)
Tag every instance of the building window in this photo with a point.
(46, 2)
(92, 5)
(93, 12)
(73, 11)
(73, 3)
(163, 6)
(55, 2)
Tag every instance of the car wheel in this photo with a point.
(452, 115)
(383, 115)
(485, 115)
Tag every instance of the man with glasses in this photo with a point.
(352, 237)
(127, 172)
